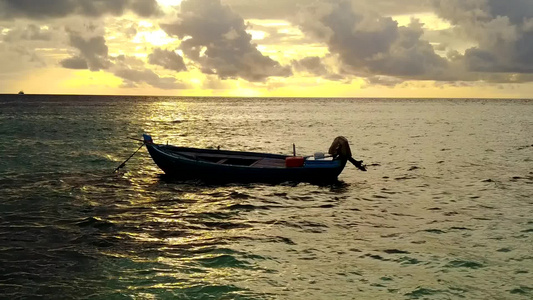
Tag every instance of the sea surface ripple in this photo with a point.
(444, 211)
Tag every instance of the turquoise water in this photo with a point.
(444, 211)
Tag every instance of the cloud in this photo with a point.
(214, 36)
(145, 8)
(312, 64)
(133, 77)
(375, 47)
(15, 59)
(283, 34)
(93, 51)
(387, 81)
(135, 72)
(167, 59)
(31, 32)
(368, 44)
(275, 9)
(214, 83)
(501, 30)
(283, 9)
(30, 45)
(74, 63)
(489, 40)
(39, 9)
(131, 31)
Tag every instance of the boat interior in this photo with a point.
(232, 158)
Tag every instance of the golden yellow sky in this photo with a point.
(422, 54)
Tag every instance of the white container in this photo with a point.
(319, 155)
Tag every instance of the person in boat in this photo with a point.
(341, 148)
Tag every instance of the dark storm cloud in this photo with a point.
(167, 59)
(501, 29)
(133, 77)
(368, 44)
(61, 8)
(92, 50)
(215, 37)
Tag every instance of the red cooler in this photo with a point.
(294, 161)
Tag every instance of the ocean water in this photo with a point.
(445, 210)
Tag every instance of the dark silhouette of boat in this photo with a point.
(21, 93)
(237, 166)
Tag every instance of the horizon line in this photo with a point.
(266, 97)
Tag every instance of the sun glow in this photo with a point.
(256, 35)
(246, 92)
(169, 2)
(86, 78)
(269, 22)
(145, 24)
(430, 21)
(156, 38)
(195, 81)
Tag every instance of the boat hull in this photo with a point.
(169, 159)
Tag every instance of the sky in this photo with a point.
(274, 48)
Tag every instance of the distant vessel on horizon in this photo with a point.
(21, 93)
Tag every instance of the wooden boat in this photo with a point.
(236, 166)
